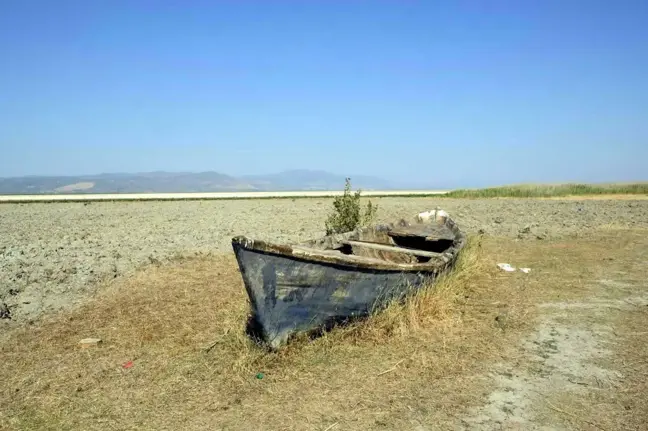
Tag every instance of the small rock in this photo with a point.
(5, 311)
(526, 229)
(498, 220)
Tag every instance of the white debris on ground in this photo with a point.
(505, 267)
(508, 268)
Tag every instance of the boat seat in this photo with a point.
(391, 248)
(315, 252)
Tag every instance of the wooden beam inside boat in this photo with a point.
(315, 252)
(392, 248)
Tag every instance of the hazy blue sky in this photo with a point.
(474, 92)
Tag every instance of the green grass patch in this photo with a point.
(547, 191)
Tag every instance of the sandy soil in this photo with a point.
(53, 255)
(559, 362)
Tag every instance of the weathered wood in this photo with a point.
(394, 249)
(387, 256)
(310, 286)
(429, 232)
(289, 295)
(314, 252)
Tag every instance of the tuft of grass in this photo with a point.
(427, 309)
(547, 191)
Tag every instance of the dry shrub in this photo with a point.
(347, 213)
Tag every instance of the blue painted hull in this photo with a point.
(290, 294)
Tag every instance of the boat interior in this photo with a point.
(403, 244)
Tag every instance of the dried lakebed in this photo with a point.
(53, 255)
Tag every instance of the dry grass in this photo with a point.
(432, 310)
(164, 317)
(622, 404)
(421, 362)
(618, 403)
(632, 360)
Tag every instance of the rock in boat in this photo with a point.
(316, 284)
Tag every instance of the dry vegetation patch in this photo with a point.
(182, 325)
(615, 308)
(164, 318)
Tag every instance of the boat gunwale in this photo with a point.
(435, 264)
(285, 251)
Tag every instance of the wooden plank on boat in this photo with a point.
(315, 252)
(430, 233)
(392, 248)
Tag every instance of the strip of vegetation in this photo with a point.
(521, 191)
(547, 191)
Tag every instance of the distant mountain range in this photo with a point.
(187, 182)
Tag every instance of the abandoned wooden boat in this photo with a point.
(312, 285)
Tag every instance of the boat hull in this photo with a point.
(291, 294)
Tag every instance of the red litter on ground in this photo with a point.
(128, 364)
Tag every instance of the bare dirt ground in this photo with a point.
(51, 255)
(563, 347)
